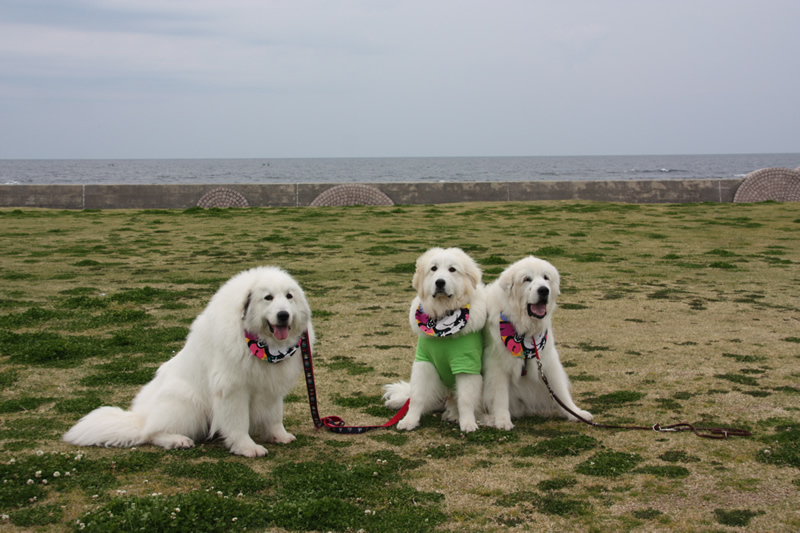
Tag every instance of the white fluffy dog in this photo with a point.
(521, 304)
(223, 381)
(447, 315)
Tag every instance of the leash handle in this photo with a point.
(334, 423)
(704, 432)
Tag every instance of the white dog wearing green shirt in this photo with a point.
(447, 315)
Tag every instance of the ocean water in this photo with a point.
(383, 170)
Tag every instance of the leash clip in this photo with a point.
(657, 427)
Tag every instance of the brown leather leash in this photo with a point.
(704, 432)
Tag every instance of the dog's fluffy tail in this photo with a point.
(395, 395)
(107, 426)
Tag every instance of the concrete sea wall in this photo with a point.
(182, 196)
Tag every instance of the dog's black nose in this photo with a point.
(544, 292)
(440, 283)
(283, 316)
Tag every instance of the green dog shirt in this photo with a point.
(458, 354)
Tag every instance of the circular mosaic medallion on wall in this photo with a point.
(222, 197)
(779, 184)
(352, 194)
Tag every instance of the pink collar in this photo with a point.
(519, 345)
(261, 350)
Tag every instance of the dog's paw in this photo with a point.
(283, 438)
(468, 426)
(503, 423)
(183, 443)
(586, 415)
(450, 415)
(407, 424)
(173, 441)
(249, 450)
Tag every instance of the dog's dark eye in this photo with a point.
(526, 279)
(434, 269)
(452, 269)
(547, 278)
(268, 297)
(289, 295)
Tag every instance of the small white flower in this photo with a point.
(29, 482)
(374, 474)
(39, 453)
(234, 519)
(177, 509)
(219, 493)
(56, 474)
(4, 517)
(38, 473)
(44, 482)
(12, 461)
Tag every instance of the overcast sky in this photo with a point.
(376, 78)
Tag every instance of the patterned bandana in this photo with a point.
(260, 350)
(451, 324)
(518, 345)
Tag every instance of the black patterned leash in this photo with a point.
(334, 423)
(704, 432)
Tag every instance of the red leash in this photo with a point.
(334, 423)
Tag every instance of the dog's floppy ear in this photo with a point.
(473, 271)
(417, 279)
(246, 304)
(506, 280)
(419, 272)
(555, 281)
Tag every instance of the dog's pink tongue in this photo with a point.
(280, 332)
(538, 309)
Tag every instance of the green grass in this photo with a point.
(667, 314)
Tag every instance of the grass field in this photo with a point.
(668, 313)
